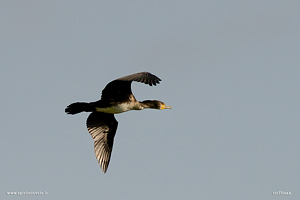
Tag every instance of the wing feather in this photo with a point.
(102, 127)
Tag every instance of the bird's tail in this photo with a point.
(78, 107)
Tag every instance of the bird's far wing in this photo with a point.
(102, 127)
(143, 77)
(120, 89)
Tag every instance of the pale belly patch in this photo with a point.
(115, 109)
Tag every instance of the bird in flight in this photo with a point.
(116, 98)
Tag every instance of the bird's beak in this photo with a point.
(167, 107)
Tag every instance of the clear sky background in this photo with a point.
(229, 69)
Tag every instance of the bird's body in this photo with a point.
(116, 98)
(117, 107)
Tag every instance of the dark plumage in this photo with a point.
(116, 98)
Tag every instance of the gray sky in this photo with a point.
(230, 71)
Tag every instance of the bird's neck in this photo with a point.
(146, 104)
(143, 105)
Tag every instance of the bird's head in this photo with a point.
(164, 106)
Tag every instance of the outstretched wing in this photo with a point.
(120, 89)
(102, 127)
(142, 77)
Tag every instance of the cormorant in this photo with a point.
(116, 98)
